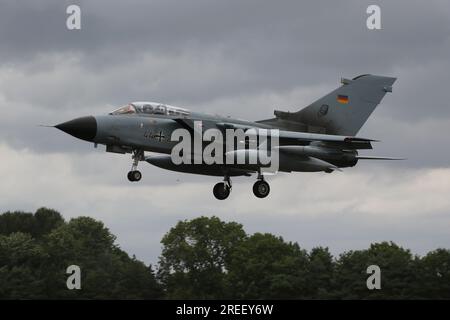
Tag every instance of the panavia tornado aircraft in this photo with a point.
(319, 137)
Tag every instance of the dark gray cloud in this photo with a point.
(265, 46)
(277, 45)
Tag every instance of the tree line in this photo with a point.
(203, 258)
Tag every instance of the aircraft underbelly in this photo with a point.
(165, 162)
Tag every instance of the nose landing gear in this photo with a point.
(134, 175)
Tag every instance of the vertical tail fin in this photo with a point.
(344, 110)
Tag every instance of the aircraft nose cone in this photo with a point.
(84, 128)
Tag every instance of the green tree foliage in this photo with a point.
(263, 266)
(45, 220)
(266, 267)
(195, 255)
(433, 272)
(17, 221)
(396, 263)
(321, 272)
(37, 225)
(33, 261)
(204, 258)
(22, 267)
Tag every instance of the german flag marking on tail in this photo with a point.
(342, 98)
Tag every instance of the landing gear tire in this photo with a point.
(261, 189)
(221, 191)
(134, 176)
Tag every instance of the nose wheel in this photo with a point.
(222, 189)
(261, 188)
(135, 175)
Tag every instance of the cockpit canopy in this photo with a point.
(151, 108)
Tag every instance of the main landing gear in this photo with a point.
(261, 188)
(222, 190)
(134, 175)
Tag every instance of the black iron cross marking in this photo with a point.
(159, 136)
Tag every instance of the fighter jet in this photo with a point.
(318, 138)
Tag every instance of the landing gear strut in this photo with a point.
(222, 189)
(261, 188)
(134, 175)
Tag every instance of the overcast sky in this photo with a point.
(238, 58)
